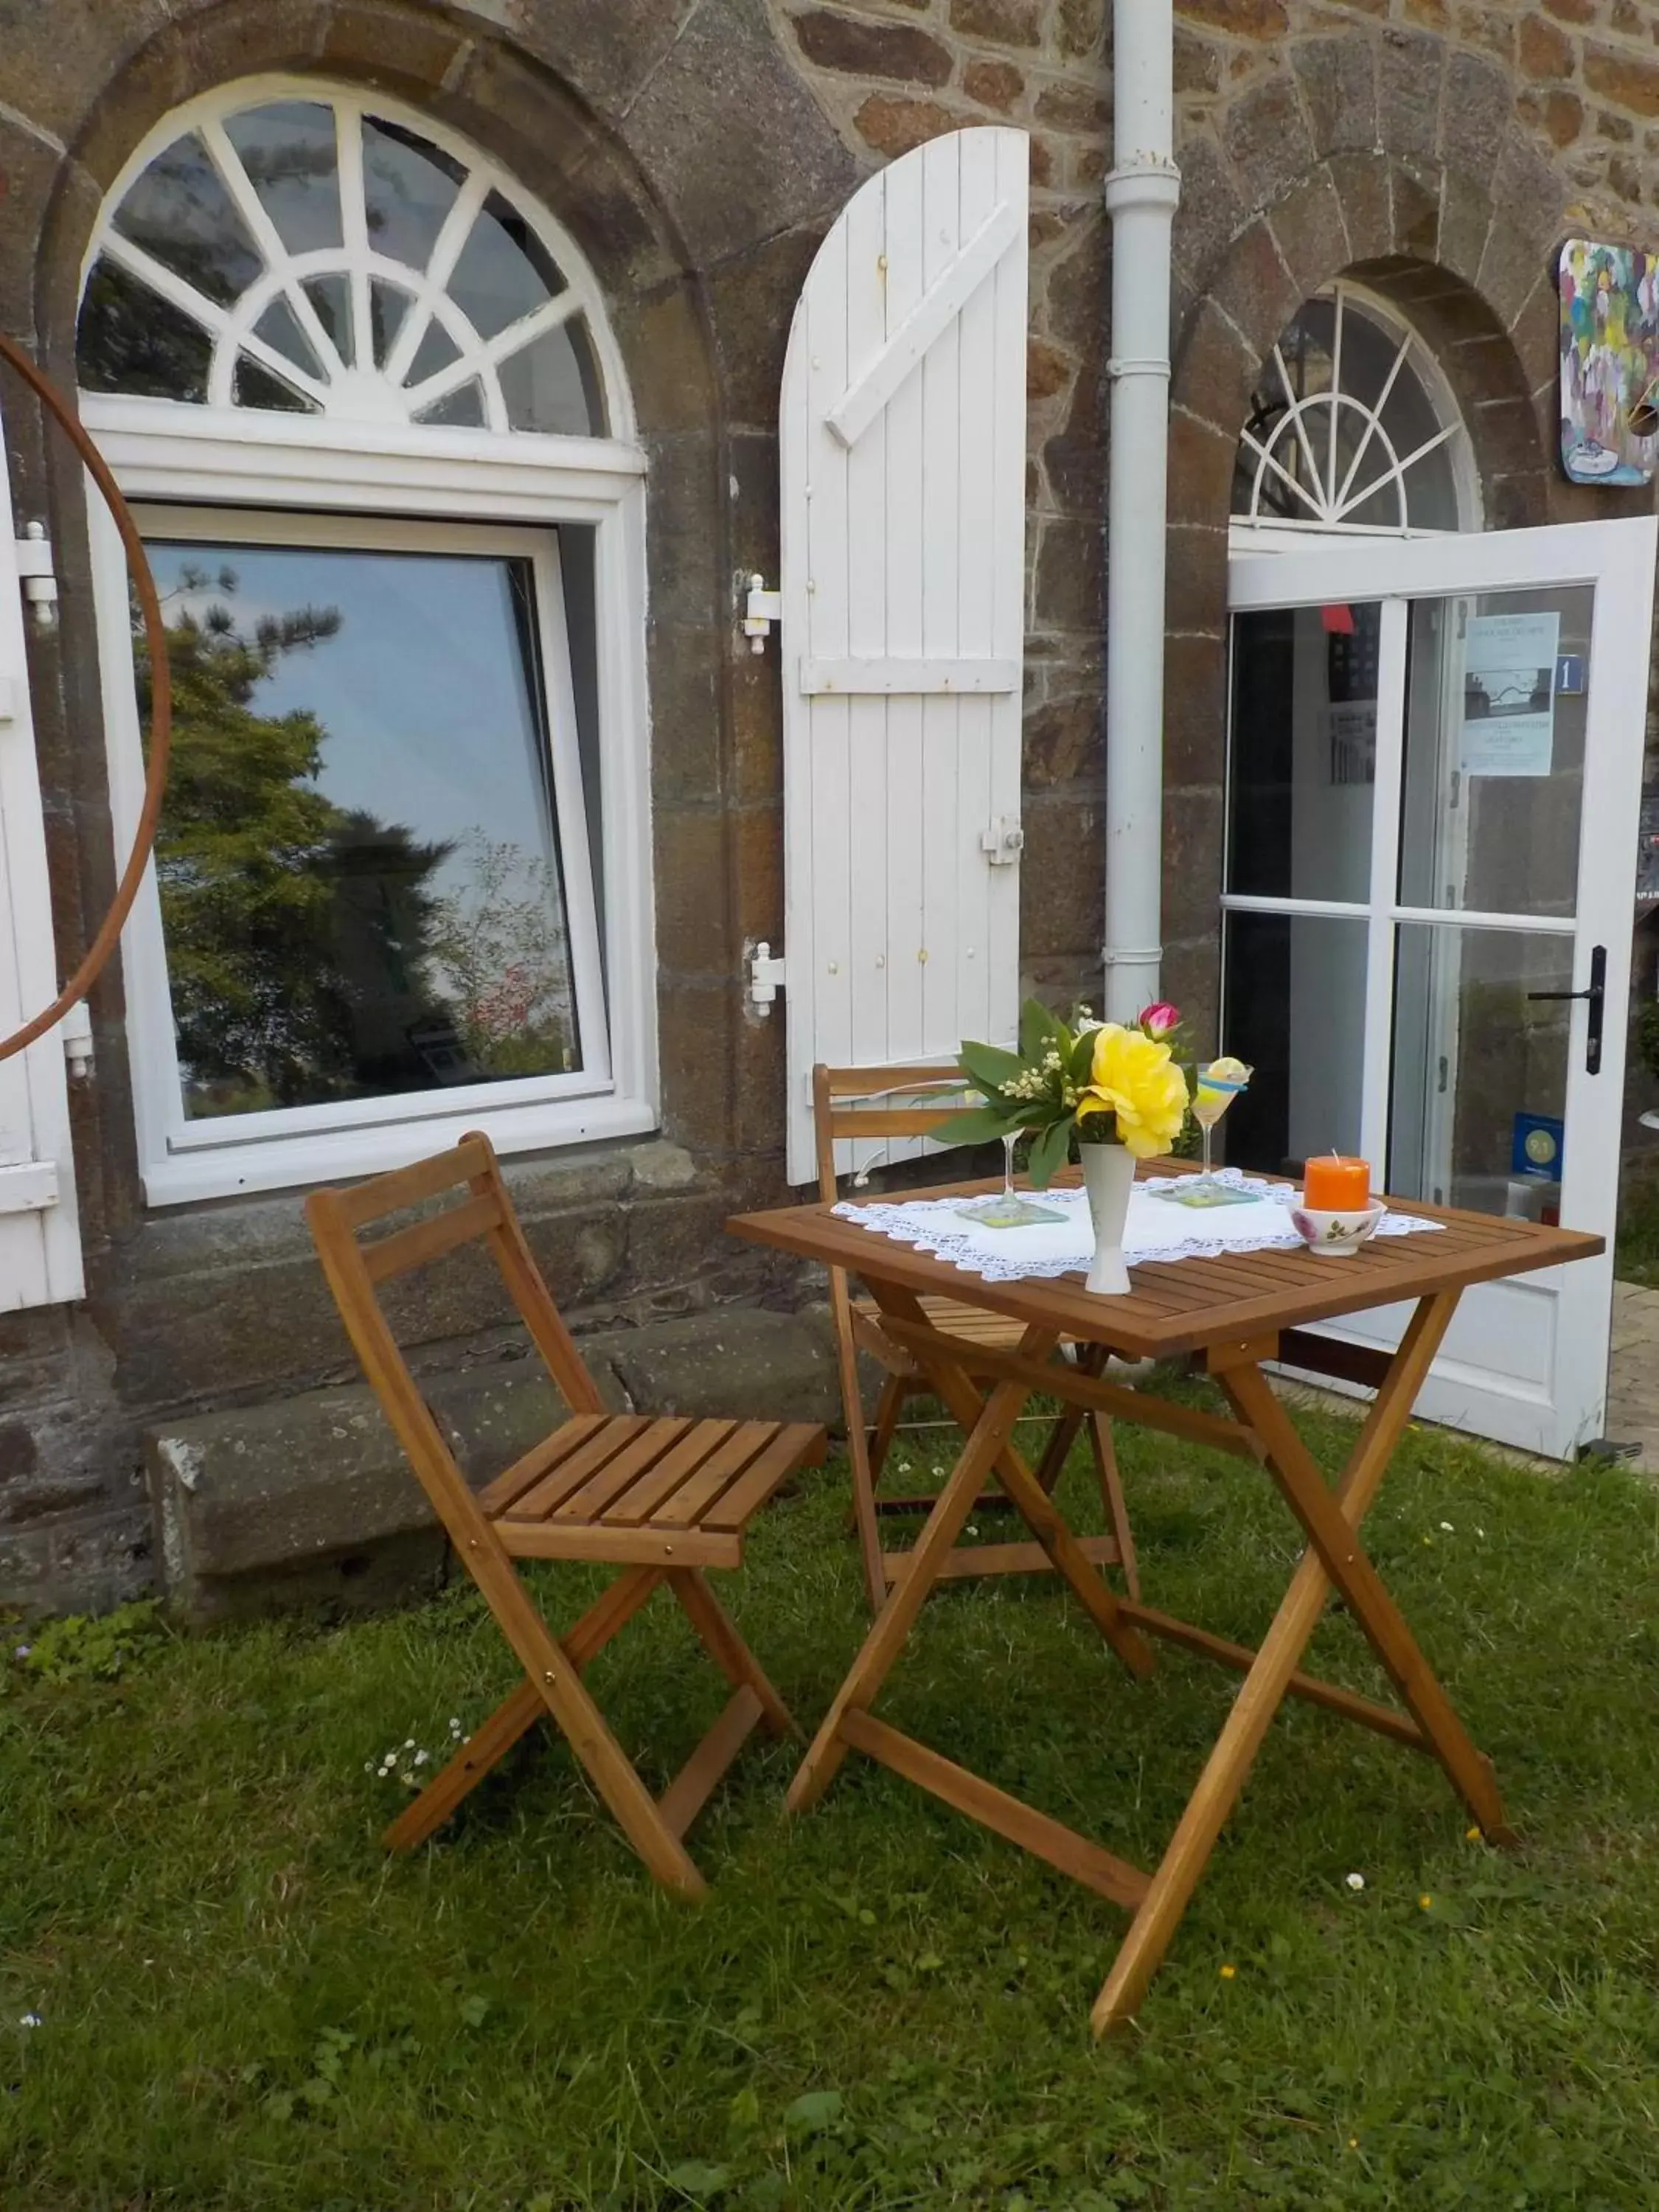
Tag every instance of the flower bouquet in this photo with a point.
(1112, 1090)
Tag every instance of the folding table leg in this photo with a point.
(1264, 1686)
(1111, 1497)
(963, 1399)
(990, 1431)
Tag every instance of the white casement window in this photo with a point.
(362, 395)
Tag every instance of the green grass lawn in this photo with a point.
(242, 2003)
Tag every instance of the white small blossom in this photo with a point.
(1447, 1526)
(23, 1650)
(420, 1759)
(1356, 1881)
(30, 2019)
(409, 1743)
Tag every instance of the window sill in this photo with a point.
(237, 1168)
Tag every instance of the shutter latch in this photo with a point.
(761, 610)
(40, 579)
(1003, 842)
(769, 974)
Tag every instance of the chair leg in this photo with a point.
(1111, 1497)
(730, 1654)
(890, 1404)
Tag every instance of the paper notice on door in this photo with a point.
(1509, 694)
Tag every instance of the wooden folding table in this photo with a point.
(1235, 1314)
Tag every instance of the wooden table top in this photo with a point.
(1186, 1305)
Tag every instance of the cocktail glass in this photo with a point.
(1217, 1084)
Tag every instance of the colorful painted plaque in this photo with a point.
(1609, 362)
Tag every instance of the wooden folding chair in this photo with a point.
(842, 1109)
(663, 1499)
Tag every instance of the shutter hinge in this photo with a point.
(1003, 842)
(761, 610)
(769, 974)
(40, 579)
(75, 1030)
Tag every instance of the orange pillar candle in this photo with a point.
(1331, 1185)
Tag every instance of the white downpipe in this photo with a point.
(1141, 194)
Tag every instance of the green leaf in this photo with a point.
(810, 2115)
(1080, 1067)
(980, 1123)
(1049, 1154)
(989, 1065)
(475, 2011)
(696, 2178)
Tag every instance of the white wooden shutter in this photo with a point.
(39, 1241)
(902, 459)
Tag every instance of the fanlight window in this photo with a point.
(1351, 429)
(312, 256)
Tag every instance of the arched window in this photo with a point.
(1353, 428)
(316, 255)
(363, 394)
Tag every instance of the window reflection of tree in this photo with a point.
(313, 952)
(296, 929)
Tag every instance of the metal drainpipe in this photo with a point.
(1141, 194)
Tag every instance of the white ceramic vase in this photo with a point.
(1107, 1172)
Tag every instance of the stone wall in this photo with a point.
(697, 149)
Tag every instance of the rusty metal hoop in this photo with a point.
(160, 727)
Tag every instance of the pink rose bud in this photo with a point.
(1159, 1018)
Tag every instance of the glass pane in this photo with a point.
(1480, 1086)
(553, 385)
(463, 410)
(504, 271)
(253, 385)
(436, 351)
(331, 297)
(1494, 768)
(1303, 762)
(409, 187)
(129, 340)
(1357, 477)
(388, 307)
(360, 877)
(1293, 1005)
(279, 326)
(180, 213)
(290, 154)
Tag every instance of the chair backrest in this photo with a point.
(354, 1267)
(842, 1107)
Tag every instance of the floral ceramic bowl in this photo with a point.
(1336, 1236)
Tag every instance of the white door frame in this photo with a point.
(1616, 558)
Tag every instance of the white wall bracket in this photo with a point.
(761, 610)
(769, 974)
(39, 578)
(1002, 841)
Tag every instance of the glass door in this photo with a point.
(1435, 766)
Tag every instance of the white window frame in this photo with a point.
(286, 474)
(285, 469)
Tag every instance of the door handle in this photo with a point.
(1596, 995)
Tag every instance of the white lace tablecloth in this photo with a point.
(1156, 1229)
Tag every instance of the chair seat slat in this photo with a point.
(513, 1481)
(738, 1504)
(693, 1499)
(612, 1435)
(638, 1505)
(588, 1503)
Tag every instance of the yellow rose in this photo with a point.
(1134, 1078)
